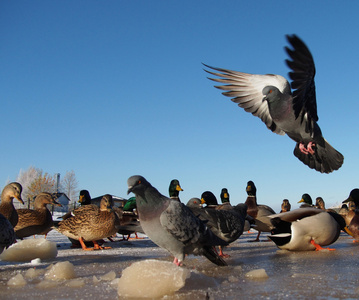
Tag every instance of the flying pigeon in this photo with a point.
(270, 98)
(171, 225)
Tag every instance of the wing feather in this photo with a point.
(246, 90)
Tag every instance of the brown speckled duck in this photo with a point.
(37, 220)
(91, 223)
(7, 209)
(7, 234)
(285, 206)
(353, 219)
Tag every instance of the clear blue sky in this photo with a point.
(111, 89)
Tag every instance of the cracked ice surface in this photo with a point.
(300, 275)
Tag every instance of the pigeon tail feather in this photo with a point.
(210, 253)
(325, 159)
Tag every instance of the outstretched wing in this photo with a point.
(302, 75)
(246, 90)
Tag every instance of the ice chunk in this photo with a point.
(75, 283)
(33, 273)
(95, 280)
(151, 278)
(46, 284)
(17, 281)
(257, 274)
(60, 271)
(114, 283)
(30, 249)
(109, 276)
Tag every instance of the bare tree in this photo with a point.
(69, 185)
(42, 183)
(26, 178)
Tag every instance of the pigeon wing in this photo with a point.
(246, 90)
(179, 220)
(302, 75)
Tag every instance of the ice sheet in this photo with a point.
(300, 275)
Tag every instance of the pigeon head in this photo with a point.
(194, 202)
(271, 94)
(137, 184)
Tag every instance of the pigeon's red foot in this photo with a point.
(307, 150)
(177, 262)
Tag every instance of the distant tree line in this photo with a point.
(35, 181)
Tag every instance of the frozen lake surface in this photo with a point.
(291, 275)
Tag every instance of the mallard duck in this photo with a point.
(353, 218)
(319, 203)
(224, 196)
(37, 220)
(306, 229)
(259, 212)
(129, 221)
(84, 197)
(306, 200)
(91, 223)
(174, 189)
(347, 214)
(7, 209)
(7, 234)
(227, 224)
(285, 206)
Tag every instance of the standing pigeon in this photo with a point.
(7, 233)
(226, 223)
(171, 225)
(270, 98)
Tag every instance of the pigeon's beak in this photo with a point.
(129, 189)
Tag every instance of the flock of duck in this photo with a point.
(195, 228)
(201, 225)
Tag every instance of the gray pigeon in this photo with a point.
(225, 221)
(7, 233)
(171, 225)
(270, 98)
